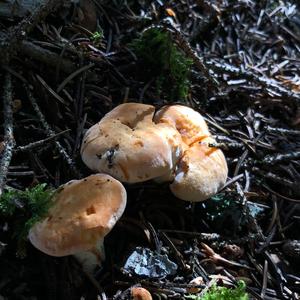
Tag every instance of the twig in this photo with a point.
(271, 159)
(232, 180)
(51, 133)
(225, 146)
(175, 251)
(265, 280)
(217, 258)
(9, 141)
(50, 90)
(40, 142)
(74, 74)
(280, 196)
(283, 131)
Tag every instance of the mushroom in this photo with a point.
(81, 214)
(194, 285)
(129, 146)
(139, 293)
(201, 170)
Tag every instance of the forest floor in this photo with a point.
(66, 64)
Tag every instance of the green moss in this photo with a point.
(97, 35)
(23, 209)
(160, 59)
(97, 38)
(223, 293)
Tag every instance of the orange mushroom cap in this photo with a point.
(129, 146)
(82, 213)
(202, 170)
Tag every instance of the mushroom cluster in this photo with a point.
(133, 143)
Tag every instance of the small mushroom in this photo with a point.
(129, 146)
(82, 213)
(202, 170)
(195, 283)
(139, 293)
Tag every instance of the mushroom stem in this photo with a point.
(91, 258)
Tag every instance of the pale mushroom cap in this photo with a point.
(189, 123)
(131, 150)
(129, 114)
(82, 213)
(201, 172)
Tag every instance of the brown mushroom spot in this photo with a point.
(139, 143)
(91, 210)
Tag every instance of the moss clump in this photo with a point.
(23, 209)
(223, 293)
(160, 59)
(97, 38)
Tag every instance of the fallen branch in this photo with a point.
(9, 141)
(46, 56)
